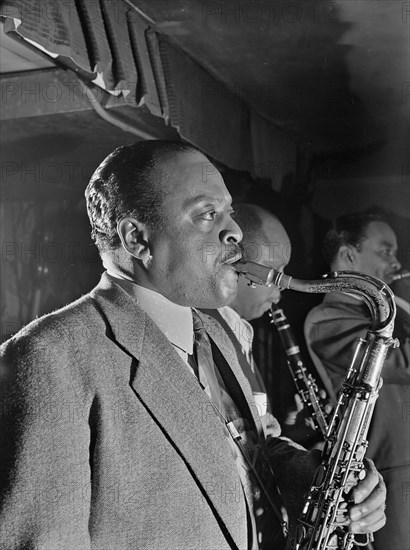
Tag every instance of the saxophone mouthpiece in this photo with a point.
(259, 274)
(255, 273)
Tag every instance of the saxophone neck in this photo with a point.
(376, 294)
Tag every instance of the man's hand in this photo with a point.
(369, 496)
(299, 425)
(328, 406)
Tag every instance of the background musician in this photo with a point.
(365, 242)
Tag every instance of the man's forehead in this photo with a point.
(197, 198)
(190, 167)
(381, 232)
(189, 178)
(274, 232)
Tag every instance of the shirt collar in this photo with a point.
(173, 320)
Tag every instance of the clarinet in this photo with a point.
(305, 383)
(324, 521)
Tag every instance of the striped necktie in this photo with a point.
(205, 363)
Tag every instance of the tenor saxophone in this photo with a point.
(304, 381)
(324, 521)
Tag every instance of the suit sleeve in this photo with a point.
(44, 448)
(332, 332)
(294, 468)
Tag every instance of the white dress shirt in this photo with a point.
(244, 333)
(173, 320)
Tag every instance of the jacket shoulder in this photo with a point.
(337, 305)
(66, 323)
(58, 349)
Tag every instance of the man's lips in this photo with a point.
(231, 259)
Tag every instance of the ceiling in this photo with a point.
(329, 72)
(332, 74)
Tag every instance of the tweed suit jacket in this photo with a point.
(108, 441)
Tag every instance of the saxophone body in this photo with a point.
(324, 521)
(305, 383)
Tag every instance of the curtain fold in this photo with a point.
(116, 48)
(273, 151)
(204, 111)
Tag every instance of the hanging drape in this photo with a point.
(112, 45)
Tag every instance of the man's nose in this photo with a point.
(232, 234)
(395, 264)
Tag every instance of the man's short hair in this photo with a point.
(128, 183)
(349, 229)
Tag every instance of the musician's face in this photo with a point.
(193, 251)
(272, 251)
(376, 253)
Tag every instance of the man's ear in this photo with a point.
(347, 256)
(134, 239)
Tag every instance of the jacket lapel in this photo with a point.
(172, 396)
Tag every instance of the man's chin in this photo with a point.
(229, 288)
(221, 293)
(266, 307)
(388, 279)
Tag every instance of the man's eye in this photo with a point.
(210, 215)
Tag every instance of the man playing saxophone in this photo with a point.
(114, 430)
(366, 243)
